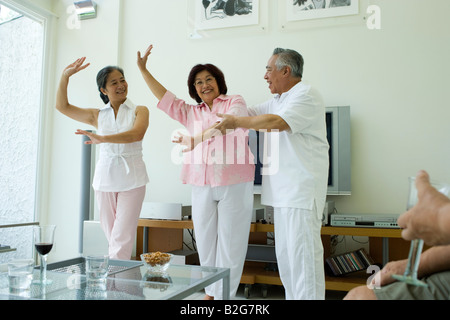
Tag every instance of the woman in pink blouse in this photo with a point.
(219, 168)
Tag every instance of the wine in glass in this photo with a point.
(410, 275)
(43, 242)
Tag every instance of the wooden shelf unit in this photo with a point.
(167, 235)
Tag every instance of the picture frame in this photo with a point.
(316, 9)
(218, 14)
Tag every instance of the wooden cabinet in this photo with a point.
(385, 245)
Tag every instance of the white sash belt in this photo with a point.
(121, 156)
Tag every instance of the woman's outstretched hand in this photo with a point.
(142, 60)
(75, 67)
(185, 141)
(95, 138)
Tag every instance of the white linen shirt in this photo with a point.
(120, 166)
(298, 173)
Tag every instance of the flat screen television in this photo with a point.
(338, 135)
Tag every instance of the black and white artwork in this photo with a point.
(213, 14)
(313, 9)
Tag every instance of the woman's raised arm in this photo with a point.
(88, 116)
(157, 88)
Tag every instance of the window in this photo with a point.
(21, 63)
(7, 14)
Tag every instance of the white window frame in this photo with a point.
(48, 20)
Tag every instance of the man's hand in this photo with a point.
(229, 122)
(423, 221)
(384, 276)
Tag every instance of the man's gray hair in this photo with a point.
(289, 58)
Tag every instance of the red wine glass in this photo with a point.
(43, 242)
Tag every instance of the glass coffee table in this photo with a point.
(127, 280)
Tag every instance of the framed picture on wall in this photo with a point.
(315, 9)
(215, 14)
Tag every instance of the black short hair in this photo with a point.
(102, 77)
(215, 72)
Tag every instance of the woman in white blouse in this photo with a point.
(120, 175)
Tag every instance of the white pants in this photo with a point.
(119, 215)
(222, 217)
(299, 251)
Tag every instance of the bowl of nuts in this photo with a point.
(156, 262)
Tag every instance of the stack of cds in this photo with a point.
(348, 262)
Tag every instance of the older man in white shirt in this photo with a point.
(297, 187)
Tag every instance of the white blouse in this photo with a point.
(120, 166)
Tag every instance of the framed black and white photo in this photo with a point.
(315, 9)
(215, 14)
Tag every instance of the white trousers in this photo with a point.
(222, 217)
(299, 252)
(119, 215)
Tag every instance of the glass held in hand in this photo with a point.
(410, 275)
(43, 242)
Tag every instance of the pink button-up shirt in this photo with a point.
(221, 160)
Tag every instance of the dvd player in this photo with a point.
(361, 220)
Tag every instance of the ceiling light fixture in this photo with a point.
(86, 9)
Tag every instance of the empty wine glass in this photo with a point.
(410, 275)
(43, 242)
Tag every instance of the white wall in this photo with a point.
(394, 79)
